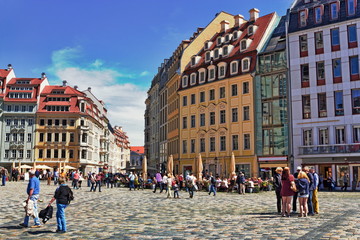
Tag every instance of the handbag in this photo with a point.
(293, 187)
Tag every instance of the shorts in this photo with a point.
(304, 196)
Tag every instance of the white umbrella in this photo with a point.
(170, 164)
(69, 167)
(144, 168)
(43, 167)
(26, 166)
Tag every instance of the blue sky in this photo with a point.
(112, 46)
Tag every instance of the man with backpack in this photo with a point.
(212, 184)
(63, 196)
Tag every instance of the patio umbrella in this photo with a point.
(43, 167)
(170, 164)
(144, 168)
(200, 167)
(25, 166)
(69, 168)
(232, 164)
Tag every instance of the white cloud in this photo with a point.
(124, 101)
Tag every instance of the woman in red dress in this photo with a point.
(286, 193)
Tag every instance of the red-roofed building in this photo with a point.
(136, 158)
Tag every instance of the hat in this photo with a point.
(298, 168)
(32, 172)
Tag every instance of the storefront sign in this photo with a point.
(272, 159)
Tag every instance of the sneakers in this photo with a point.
(35, 226)
(60, 231)
(23, 225)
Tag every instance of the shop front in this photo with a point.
(268, 165)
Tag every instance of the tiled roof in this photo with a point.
(138, 149)
(4, 73)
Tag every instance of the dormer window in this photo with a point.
(216, 53)
(250, 30)
(211, 73)
(195, 60)
(334, 10)
(303, 18)
(245, 64)
(318, 14)
(351, 6)
(235, 35)
(207, 56)
(227, 38)
(202, 75)
(207, 45)
(243, 45)
(219, 41)
(225, 50)
(234, 68)
(193, 79)
(184, 81)
(222, 70)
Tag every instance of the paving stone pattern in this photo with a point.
(120, 214)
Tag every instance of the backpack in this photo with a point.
(213, 181)
(70, 196)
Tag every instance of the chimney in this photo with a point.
(10, 67)
(89, 89)
(239, 20)
(224, 25)
(75, 87)
(64, 83)
(43, 75)
(254, 14)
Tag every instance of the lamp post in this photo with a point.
(216, 165)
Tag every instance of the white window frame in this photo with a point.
(202, 70)
(193, 79)
(212, 67)
(220, 65)
(185, 81)
(241, 47)
(252, 30)
(242, 64)
(210, 55)
(221, 41)
(231, 68)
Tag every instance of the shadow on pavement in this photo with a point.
(11, 227)
(40, 232)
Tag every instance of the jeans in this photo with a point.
(56, 179)
(33, 198)
(176, 193)
(131, 185)
(75, 183)
(310, 204)
(212, 189)
(93, 188)
(191, 192)
(3, 180)
(88, 182)
(294, 202)
(98, 183)
(60, 217)
(278, 200)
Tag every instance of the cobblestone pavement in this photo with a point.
(120, 214)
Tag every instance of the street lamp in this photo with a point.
(216, 163)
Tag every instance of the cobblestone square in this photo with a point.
(120, 214)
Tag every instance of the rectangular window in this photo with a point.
(63, 153)
(322, 105)
(354, 68)
(319, 43)
(320, 69)
(42, 122)
(351, 7)
(223, 143)
(16, 121)
(334, 11)
(202, 144)
(41, 153)
(30, 121)
(72, 122)
(355, 96)
(303, 45)
(57, 122)
(193, 123)
(222, 92)
(184, 122)
(63, 138)
(246, 141)
(29, 137)
(318, 14)
(212, 144)
(202, 77)
(64, 122)
(184, 146)
(49, 137)
(41, 137)
(28, 153)
(192, 145)
(9, 108)
(234, 114)
(305, 77)
(7, 137)
(211, 74)
(202, 119)
(234, 67)
(56, 153)
(222, 71)
(235, 142)
(72, 137)
(212, 118)
(323, 136)
(48, 153)
(71, 153)
(234, 90)
(352, 34)
(339, 105)
(246, 87)
(337, 70)
(22, 137)
(6, 154)
(340, 135)
(306, 107)
(307, 137)
(193, 99)
(356, 134)
(15, 137)
(16, 108)
(56, 137)
(21, 153)
(8, 122)
(184, 101)
(23, 108)
(246, 113)
(303, 18)
(202, 96)
(335, 39)
(212, 94)
(222, 117)
(49, 122)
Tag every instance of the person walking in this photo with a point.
(315, 201)
(311, 191)
(98, 181)
(298, 169)
(4, 173)
(76, 178)
(33, 191)
(62, 196)
(158, 178)
(212, 183)
(303, 190)
(278, 186)
(56, 176)
(241, 181)
(190, 183)
(181, 181)
(169, 185)
(176, 188)
(131, 181)
(92, 179)
(164, 183)
(345, 182)
(287, 181)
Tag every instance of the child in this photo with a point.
(176, 188)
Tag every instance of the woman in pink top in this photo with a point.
(286, 193)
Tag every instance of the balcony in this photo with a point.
(84, 128)
(330, 149)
